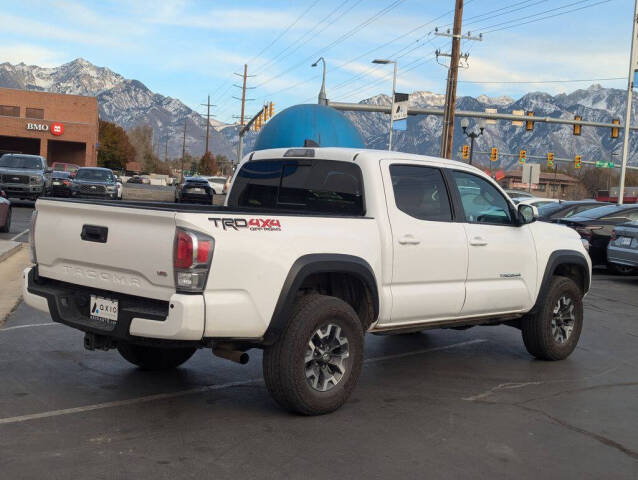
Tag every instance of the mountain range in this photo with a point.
(129, 103)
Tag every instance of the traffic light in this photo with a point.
(264, 112)
(614, 130)
(494, 154)
(258, 123)
(577, 162)
(522, 157)
(577, 125)
(550, 160)
(529, 125)
(466, 152)
(271, 109)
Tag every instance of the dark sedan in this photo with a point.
(623, 248)
(554, 211)
(60, 184)
(196, 190)
(94, 182)
(596, 226)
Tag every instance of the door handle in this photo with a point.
(478, 241)
(408, 239)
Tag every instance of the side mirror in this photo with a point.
(48, 170)
(2, 194)
(72, 175)
(527, 213)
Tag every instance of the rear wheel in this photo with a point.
(7, 224)
(621, 269)
(315, 364)
(154, 358)
(553, 331)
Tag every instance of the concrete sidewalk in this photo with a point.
(14, 258)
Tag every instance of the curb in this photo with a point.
(9, 248)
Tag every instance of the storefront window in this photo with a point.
(35, 113)
(9, 111)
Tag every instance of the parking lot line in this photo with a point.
(203, 389)
(13, 239)
(28, 326)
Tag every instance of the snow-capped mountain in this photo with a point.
(423, 134)
(125, 102)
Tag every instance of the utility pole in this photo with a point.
(447, 134)
(207, 105)
(630, 87)
(183, 152)
(243, 93)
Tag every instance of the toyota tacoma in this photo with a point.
(313, 248)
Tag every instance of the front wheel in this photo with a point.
(621, 269)
(154, 358)
(315, 364)
(553, 331)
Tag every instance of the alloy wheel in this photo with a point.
(326, 357)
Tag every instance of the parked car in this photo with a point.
(304, 259)
(94, 182)
(60, 184)
(64, 167)
(622, 251)
(553, 211)
(217, 184)
(23, 176)
(195, 190)
(518, 194)
(535, 201)
(5, 213)
(135, 179)
(596, 226)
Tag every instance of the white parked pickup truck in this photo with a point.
(314, 247)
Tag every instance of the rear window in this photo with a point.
(318, 186)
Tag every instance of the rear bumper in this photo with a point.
(181, 319)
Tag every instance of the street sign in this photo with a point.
(400, 125)
(491, 110)
(518, 123)
(531, 173)
(601, 164)
(400, 110)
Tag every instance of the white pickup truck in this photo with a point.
(314, 247)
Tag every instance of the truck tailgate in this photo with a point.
(127, 250)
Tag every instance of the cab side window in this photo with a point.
(420, 192)
(482, 202)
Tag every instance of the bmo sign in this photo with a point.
(55, 128)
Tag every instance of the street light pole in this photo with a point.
(323, 99)
(630, 87)
(394, 89)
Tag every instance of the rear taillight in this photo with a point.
(32, 256)
(192, 255)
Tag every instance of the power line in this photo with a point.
(486, 29)
(545, 81)
(286, 30)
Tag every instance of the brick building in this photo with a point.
(551, 185)
(62, 128)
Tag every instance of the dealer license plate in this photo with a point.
(104, 311)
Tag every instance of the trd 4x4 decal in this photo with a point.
(253, 224)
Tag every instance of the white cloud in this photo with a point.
(30, 54)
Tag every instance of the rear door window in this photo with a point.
(318, 186)
(420, 192)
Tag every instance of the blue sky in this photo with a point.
(189, 49)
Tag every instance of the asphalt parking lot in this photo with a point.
(442, 404)
(20, 219)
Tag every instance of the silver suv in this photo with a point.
(22, 176)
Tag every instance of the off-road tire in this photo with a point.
(537, 327)
(7, 224)
(154, 358)
(621, 269)
(284, 363)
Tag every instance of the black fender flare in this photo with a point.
(311, 264)
(556, 259)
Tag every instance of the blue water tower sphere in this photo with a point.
(320, 124)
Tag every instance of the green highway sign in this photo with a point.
(600, 164)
